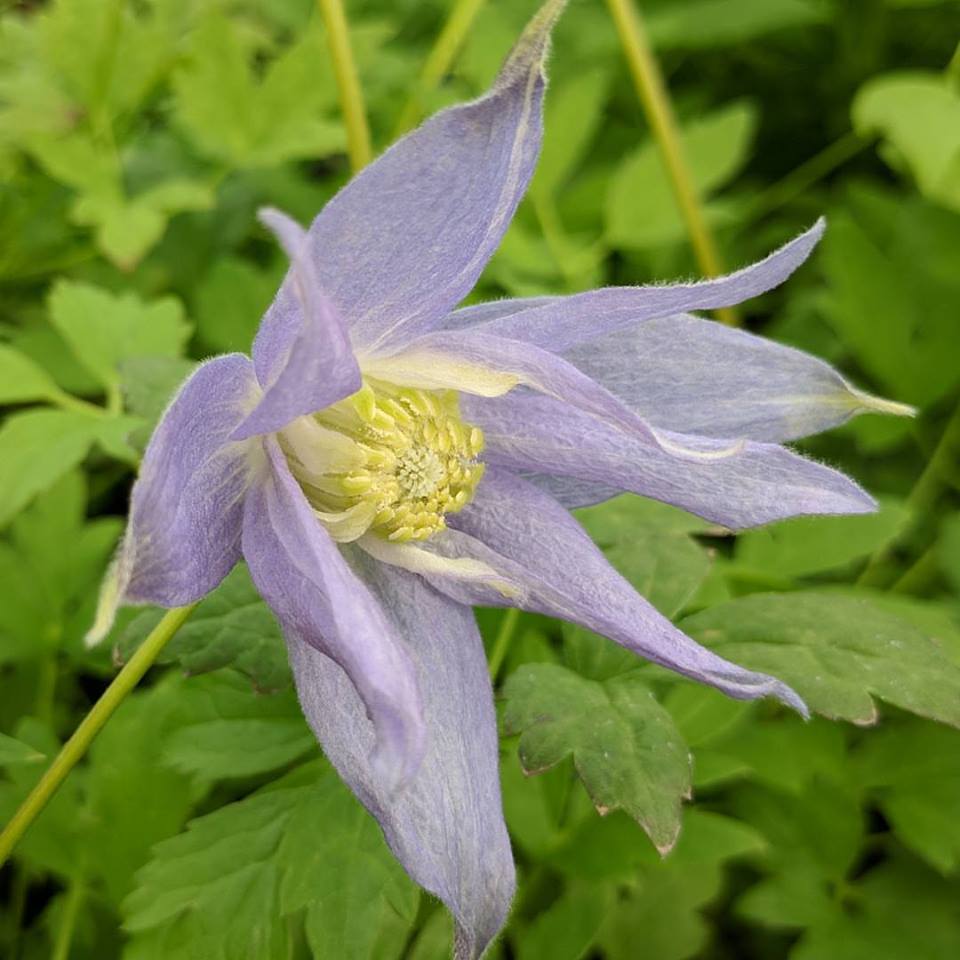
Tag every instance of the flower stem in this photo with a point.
(351, 96)
(66, 401)
(801, 178)
(502, 641)
(655, 99)
(438, 61)
(68, 920)
(923, 495)
(74, 749)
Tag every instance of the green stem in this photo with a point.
(68, 921)
(925, 491)
(438, 61)
(919, 575)
(66, 401)
(351, 96)
(74, 749)
(502, 641)
(655, 99)
(807, 174)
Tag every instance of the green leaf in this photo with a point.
(103, 328)
(50, 569)
(127, 228)
(949, 550)
(625, 747)
(785, 752)
(697, 24)
(301, 844)
(574, 112)
(231, 299)
(53, 841)
(568, 928)
(650, 544)
(21, 380)
(913, 769)
(13, 752)
(797, 548)
(36, 449)
(231, 627)
(641, 211)
(898, 910)
(836, 651)
(133, 802)
(234, 118)
(360, 904)
(240, 746)
(918, 116)
(876, 305)
(660, 916)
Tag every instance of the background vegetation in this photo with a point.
(137, 140)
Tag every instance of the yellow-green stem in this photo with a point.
(438, 61)
(68, 920)
(922, 497)
(502, 640)
(351, 96)
(75, 748)
(655, 99)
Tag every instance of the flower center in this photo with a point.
(389, 460)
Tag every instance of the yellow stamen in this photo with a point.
(416, 461)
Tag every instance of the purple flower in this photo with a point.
(385, 461)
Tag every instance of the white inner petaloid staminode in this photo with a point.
(390, 460)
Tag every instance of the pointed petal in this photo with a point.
(446, 827)
(492, 310)
(696, 376)
(302, 354)
(567, 321)
(476, 363)
(738, 486)
(318, 600)
(183, 536)
(531, 540)
(408, 237)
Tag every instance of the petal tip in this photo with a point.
(530, 50)
(868, 403)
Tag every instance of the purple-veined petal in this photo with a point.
(446, 826)
(565, 322)
(183, 535)
(408, 237)
(319, 602)
(520, 531)
(486, 366)
(696, 376)
(741, 486)
(302, 353)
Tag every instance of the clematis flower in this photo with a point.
(385, 461)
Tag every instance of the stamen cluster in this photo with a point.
(409, 461)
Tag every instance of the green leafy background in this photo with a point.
(651, 818)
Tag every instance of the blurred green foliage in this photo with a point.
(137, 140)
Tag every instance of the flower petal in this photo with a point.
(302, 354)
(486, 366)
(319, 601)
(531, 540)
(561, 324)
(446, 827)
(696, 376)
(183, 536)
(741, 486)
(408, 237)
